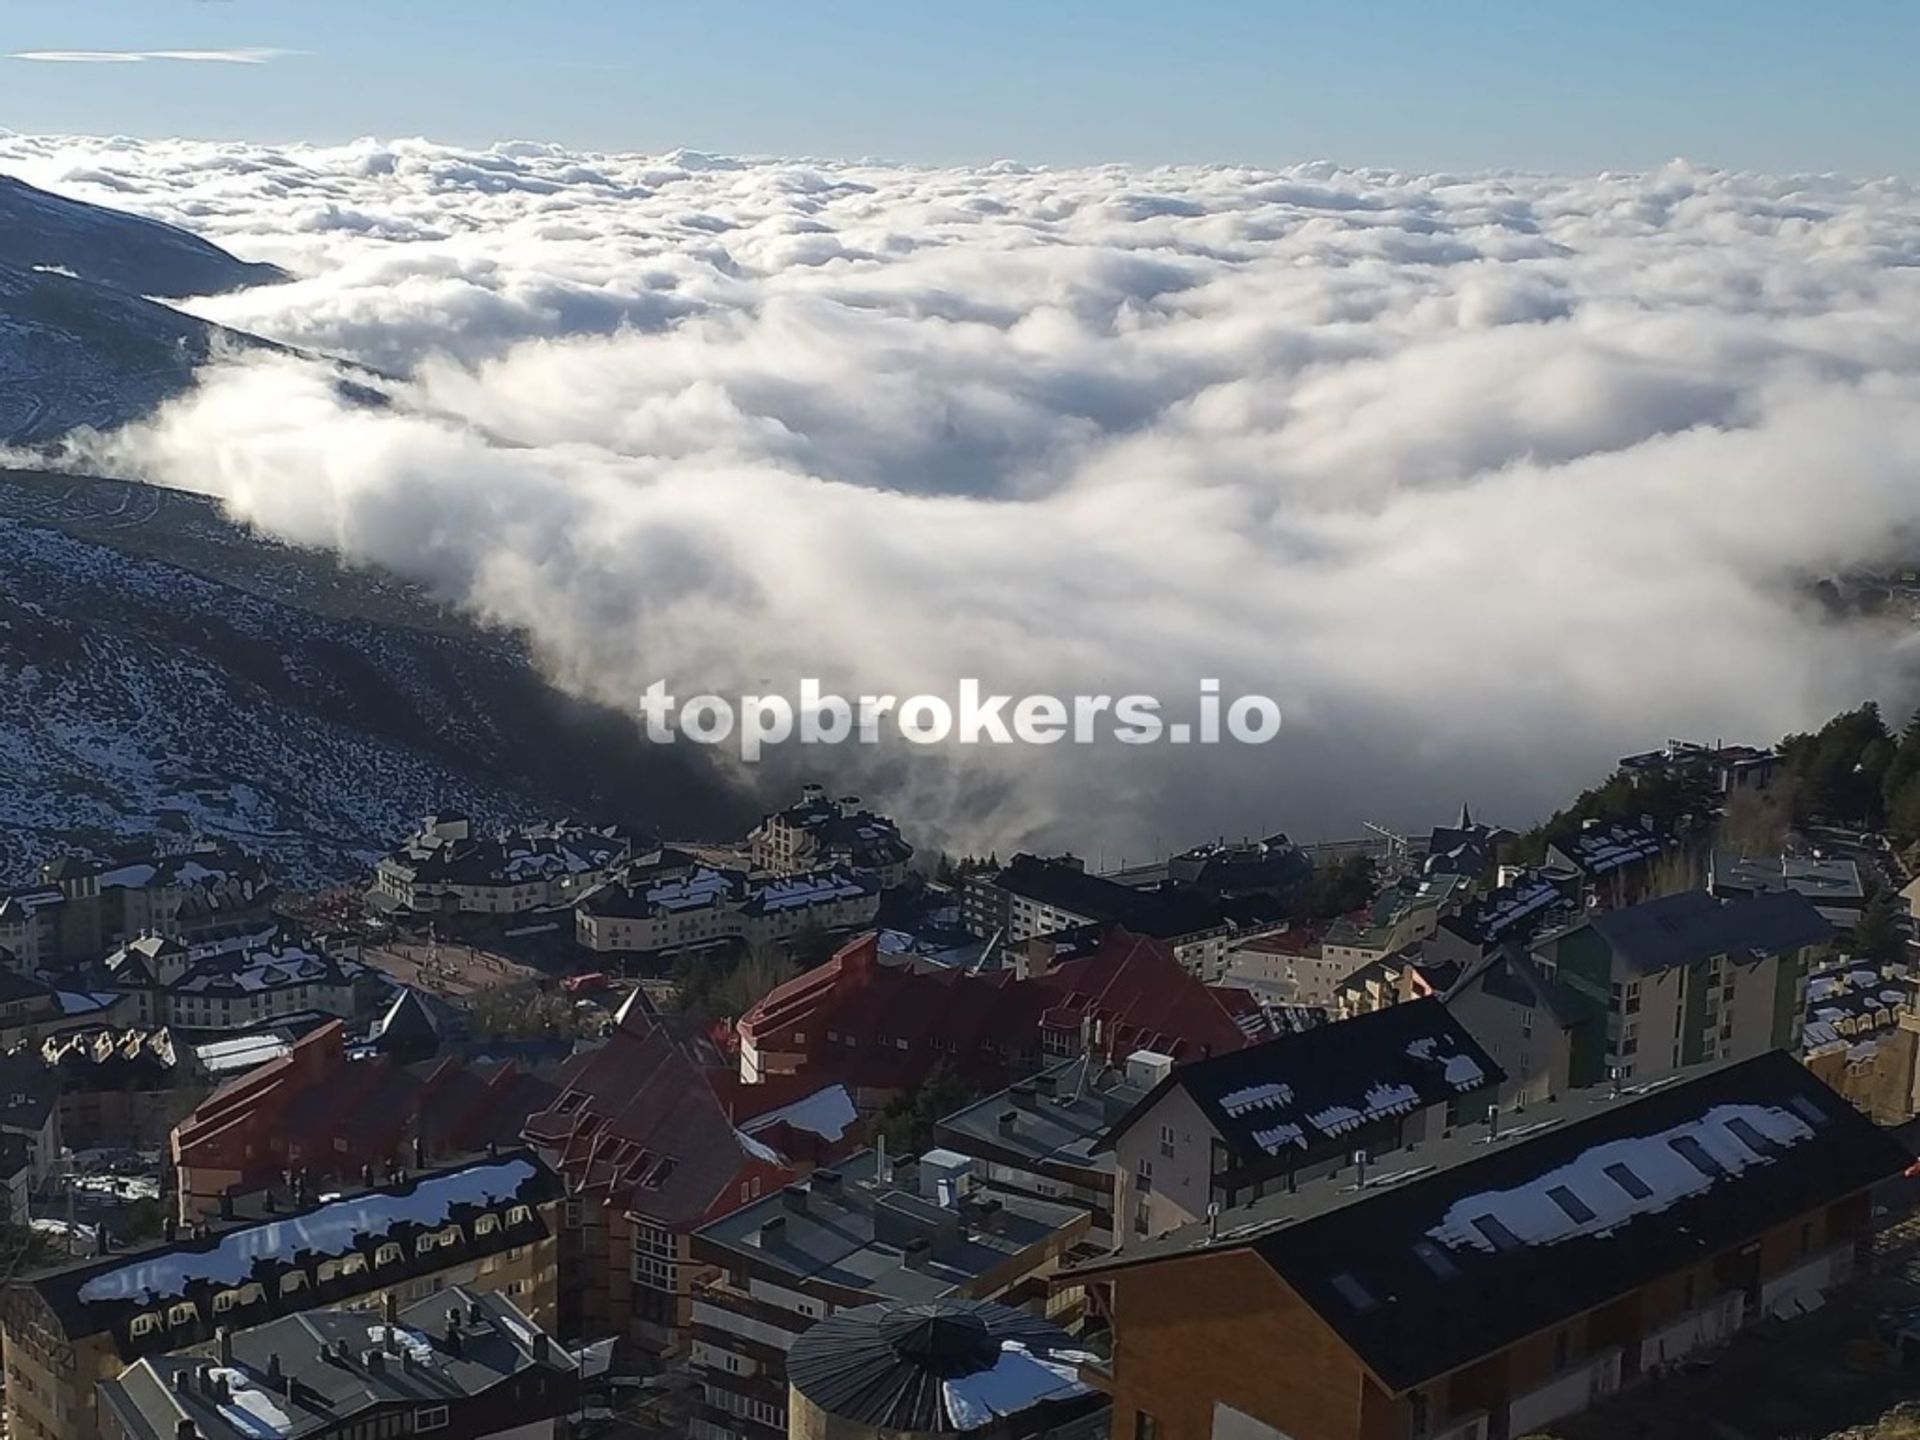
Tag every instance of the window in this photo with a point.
(429, 1417)
(1747, 1135)
(1695, 1154)
(1353, 1292)
(182, 1315)
(1166, 1141)
(1431, 1256)
(387, 1254)
(1629, 1182)
(1496, 1233)
(1145, 1427)
(1143, 1175)
(425, 1244)
(145, 1324)
(486, 1225)
(1576, 1209)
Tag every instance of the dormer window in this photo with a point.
(182, 1315)
(293, 1282)
(486, 1225)
(145, 1324)
(387, 1255)
(519, 1215)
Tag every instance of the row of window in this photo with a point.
(187, 1312)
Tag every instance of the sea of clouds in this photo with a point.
(1487, 479)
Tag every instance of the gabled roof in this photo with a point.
(1466, 1245)
(636, 1124)
(1308, 1093)
(1691, 925)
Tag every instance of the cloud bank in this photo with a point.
(1487, 479)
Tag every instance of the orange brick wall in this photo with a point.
(1226, 1328)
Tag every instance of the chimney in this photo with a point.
(773, 1232)
(366, 1175)
(419, 1152)
(170, 1229)
(376, 1362)
(542, 1349)
(226, 1204)
(1021, 1093)
(1360, 1169)
(826, 1183)
(182, 1380)
(1009, 1119)
(269, 1204)
(185, 1429)
(475, 1314)
(794, 1198)
(456, 1341)
(390, 1309)
(882, 1167)
(1213, 1220)
(1493, 1122)
(223, 1338)
(918, 1253)
(275, 1379)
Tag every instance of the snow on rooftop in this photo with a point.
(252, 1410)
(1278, 1137)
(1612, 1184)
(1463, 1072)
(417, 1346)
(330, 1231)
(1254, 1097)
(827, 1112)
(1018, 1381)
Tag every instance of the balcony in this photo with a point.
(1465, 1427)
(1572, 1390)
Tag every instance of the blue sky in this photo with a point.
(1444, 84)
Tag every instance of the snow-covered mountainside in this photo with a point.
(74, 352)
(78, 343)
(111, 247)
(164, 672)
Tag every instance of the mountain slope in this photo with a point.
(111, 247)
(161, 670)
(73, 352)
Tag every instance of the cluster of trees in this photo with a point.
(1340, 886)
(1853, 771)
(1664, 796)
(908, 1120)
(951, 872)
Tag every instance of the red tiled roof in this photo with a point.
(637, 1124)
(1137, 995)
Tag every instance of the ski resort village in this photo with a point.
(571, 1128)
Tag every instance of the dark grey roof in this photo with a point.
(1511, 974)
(322, 1370)
(1460, 1247)
(1168, 912)
(846, 1228)
(939, 1367)
(104, 1294)
(29, 1090)
(1058, 1120)
(1679, 929)
(1310, 1093)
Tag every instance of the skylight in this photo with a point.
(1577, 1209)
(1496, 1233)
(1629, 1182)
(1353, 1292)
(1431, 1256)
(1696, 1155)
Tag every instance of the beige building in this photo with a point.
(674, 902)
(489, 1224)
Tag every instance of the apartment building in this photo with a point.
(819, 833)
(488, 1223)
(1214, 1132)
(1040, 1138)
(648, 1153)
(444, 868)
(1689, 978)
(462, 1364)
(864, 1231)
(672, 901)
(1490, 1285)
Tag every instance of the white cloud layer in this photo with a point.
(1486, 478)
(244, 55)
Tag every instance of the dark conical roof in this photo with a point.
(933, 1366)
